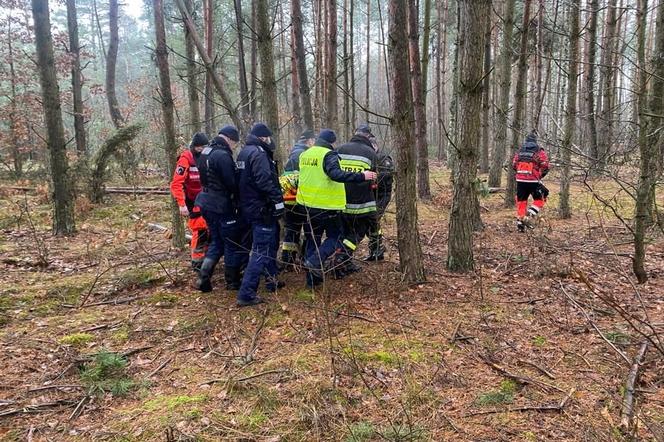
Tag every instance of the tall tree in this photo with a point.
(505, 79)
(410, 250)
(295, 88)
(76, 77)
(472, 34)
(208, 26)
(300, 58)
(111, 62)
(209, 66)
(570, 117)
(167, 105)
(607, 84)
(13, 102)
(591, 53)
(520, 102)
(331, 118)
(423, 189)
(486, 105)
(264, 41)
(441, 69)
(192, 77)
(63, 197)
(367, 77)
(242, 68)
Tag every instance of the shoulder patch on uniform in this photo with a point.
(240, 164)
(261, 149)
(206, 151)
(180, 170)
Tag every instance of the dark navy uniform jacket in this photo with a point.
(218, 179)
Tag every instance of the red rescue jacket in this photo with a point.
(186, 182)
(531, 163)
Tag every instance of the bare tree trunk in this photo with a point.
(607, 80)
(295, 88)
(505, 78)
(268, 81)
(63, 197)
(298, 47)
(452, 157)
(410, 251)
(472, 34)
(648, 172)
(520, 103)
(486, 105)
(17, 154)
(76, 80)
(208, 26)
(331, 117)
(423, 189)
(242, 68)
(285, 69)
(591, 120)
(351, 63)
(384, 47)
(368, 74)
(254, 67)
(171, 146)
(192, 77)
(111, 61)
(209, 66)
(346, 62)
(441, 66)
(570, 117)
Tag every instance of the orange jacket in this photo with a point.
(186, 183)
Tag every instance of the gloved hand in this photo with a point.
(184, 211)
(369, 175)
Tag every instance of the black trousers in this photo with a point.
(356, 227)
(526, 189)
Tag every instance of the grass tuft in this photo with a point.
(107, 373)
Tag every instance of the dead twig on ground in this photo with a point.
(539, 368)
(542, 408)
(53, 387)
(37, 408)
(161, 367)
(79, 407)
(518, 377)
(245, 378)
(632, 378)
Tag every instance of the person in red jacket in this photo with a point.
(186, 184)
(531, 164)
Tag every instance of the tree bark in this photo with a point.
(486, 105)
(331, 119)
(441, 70)
(520, 103)
(570, 117)
(76, 80)
(167, 105)
(368, 73)
(410, 251)
(111, 61)
(505, 77)
(591, 121)
(346, 61)
(253, 87)
(300, 57)
(264, 42)
(63, 197)
(423, 189)
(295, 88)
(242, 68)
(207, 61)
(192, 78)
(208, 26)
(474, 15)
(17, 154)
(607, 81)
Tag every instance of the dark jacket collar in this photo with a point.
(219, 143)
(362, 140)
(253, 140)
(322, 143)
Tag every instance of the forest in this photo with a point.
(483, 322)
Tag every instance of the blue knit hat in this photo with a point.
(261, 130)
(231, 132)
(327, 135)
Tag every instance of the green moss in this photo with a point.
(617, 337)
(304, 296)
(253, 419)
(171, 403)
(360, 432)
(539, 341)
(138, 278)
(121, 335)
(163, 299)
(77, 339)
(505, 395)
(383, 357)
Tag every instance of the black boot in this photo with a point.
(233, 278)
(204, 281)
(376, 249)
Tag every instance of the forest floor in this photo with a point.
(511, 352)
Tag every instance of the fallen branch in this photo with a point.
(37, 408)
(519, 378)
(541, 369)
(632, 379)
(245, 378)
(158, 369)
(543, 408)
(52, 387)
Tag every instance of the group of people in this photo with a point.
(330, 199)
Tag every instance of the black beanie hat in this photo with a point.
(307, 134)
(231, 132)
(363, 129)
(261, 130)
(327, 135)
(200, 139)
(532, 137)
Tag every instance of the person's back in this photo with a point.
(358, 155)
(530, 165)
